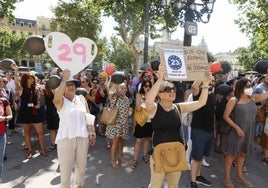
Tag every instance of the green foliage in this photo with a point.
(226, 67)
(248, 57)
(130, 17)
(253, 21)
(7, 7)
(80, 18)
(119, 54)
(11, 45)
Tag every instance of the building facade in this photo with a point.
(39, 27)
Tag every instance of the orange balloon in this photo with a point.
(109, 70)
(215, 67)
(103, 75)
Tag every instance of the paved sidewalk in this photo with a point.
(43, 172)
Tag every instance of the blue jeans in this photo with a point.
(258, 128)
(3, 140)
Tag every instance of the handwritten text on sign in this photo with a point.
(193, 60)
(74, 56)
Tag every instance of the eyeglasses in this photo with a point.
(248, 86)
(168, 89)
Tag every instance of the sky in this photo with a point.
(220, 34)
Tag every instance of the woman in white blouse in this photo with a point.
(73, 137)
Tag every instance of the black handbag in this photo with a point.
(93, 108)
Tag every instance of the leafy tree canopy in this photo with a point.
(253, 21)
(11, 45)
(130, 16)
(119, 54)
(7, 7)
(80, 18)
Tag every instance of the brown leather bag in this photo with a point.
(169, 157)
(109, 115)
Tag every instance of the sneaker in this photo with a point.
(203, 181)
(193, 184)
(205, 163)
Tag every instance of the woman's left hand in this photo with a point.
(92, 140)
(209, 78)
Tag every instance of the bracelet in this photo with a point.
(5, 119)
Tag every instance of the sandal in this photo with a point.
(114, 164)
(108, 146)
(265, 160)
(228, 184)
(44, 153)
(52, 147)
(23, 146)
(29, 155)
(133, 164)
(146, 159)
(244, 169)
(244, 182)
(122, 159)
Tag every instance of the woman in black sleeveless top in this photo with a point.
(166, 120)
(29, 112)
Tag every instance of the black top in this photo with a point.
(27, 113)
(203, 118)
(166, 126)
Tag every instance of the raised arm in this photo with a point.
(151, 95)
(16, 79)
(59, 92)
(195, 105)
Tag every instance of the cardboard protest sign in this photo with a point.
(184, 63)
(74, 56)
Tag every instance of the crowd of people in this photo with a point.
(216, 124)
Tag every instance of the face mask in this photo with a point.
(248, 91)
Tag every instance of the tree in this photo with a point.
(130, 17)
(80, 18)
(226, 67)
(7, 7)
(11, 45)
(253, 21)
(119, 54)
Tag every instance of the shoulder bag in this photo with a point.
(109, 114)
(170, 156)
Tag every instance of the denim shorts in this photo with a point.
(202, 143)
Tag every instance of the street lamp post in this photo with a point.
(146, 32)
(188, 12)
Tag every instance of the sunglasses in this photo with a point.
(168, 89)
(147, 86)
